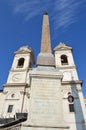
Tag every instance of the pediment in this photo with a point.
(24, 49)
(62, 46)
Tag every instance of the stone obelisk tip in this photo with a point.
(45, 13)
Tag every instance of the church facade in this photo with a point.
(47, 97)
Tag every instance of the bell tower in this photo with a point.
(71, 87)
(64, 62)
(16, 90)
(23, 62)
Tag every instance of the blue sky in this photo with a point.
(21, 24)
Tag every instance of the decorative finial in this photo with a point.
(45, 13)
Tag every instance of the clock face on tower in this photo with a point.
(16, 77)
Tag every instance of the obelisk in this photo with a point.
(45, 57)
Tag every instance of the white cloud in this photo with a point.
(30, 8)
(66, 12)
(63, 12)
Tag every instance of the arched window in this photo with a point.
(64, 60)
(20, 63)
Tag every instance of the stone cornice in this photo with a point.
(72, 82)
(54, 127)
(66, 67)
(15, 84)
(20, 70)
(42, 75)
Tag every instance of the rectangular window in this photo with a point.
(10, 108)
(71, 107)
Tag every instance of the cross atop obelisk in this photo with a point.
(45, 57)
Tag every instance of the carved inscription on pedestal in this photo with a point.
(45, 102)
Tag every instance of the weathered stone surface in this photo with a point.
(46, 101)
(45, 59)
(45, 43)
